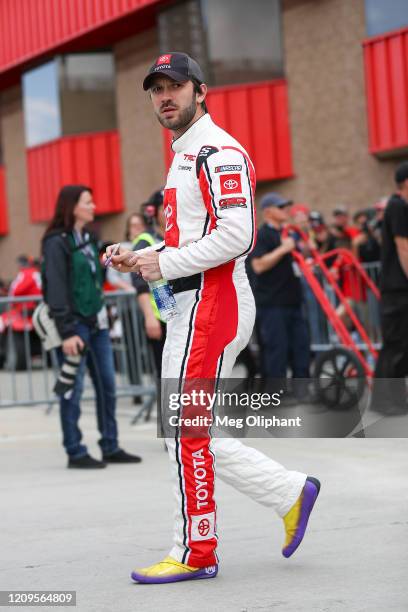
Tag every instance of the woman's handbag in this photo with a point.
(45, 327)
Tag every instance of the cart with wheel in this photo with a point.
(345, 366)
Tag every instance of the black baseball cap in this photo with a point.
(150, 208)
(274, 199)
(156, 199)
(401, 173)
(178, 66)
(316, 219)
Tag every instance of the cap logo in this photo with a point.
(164, 59)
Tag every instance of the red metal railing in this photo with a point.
(386, 76)
(3, 203)
(257, 115)
(361, 281)
(89, 159)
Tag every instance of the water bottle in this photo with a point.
(164, 298)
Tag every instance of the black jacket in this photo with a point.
(57, 283)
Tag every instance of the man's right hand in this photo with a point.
(123, 261)
(73, 345)
(288, 244)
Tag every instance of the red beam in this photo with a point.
(88, 159)
(257, 115)
(31, 30)
(386, 77)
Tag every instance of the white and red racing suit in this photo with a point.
(210, 228)
(27, 282)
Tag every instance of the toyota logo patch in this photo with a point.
(230, 183)
(204, 527)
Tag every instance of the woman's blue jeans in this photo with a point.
(99, 361)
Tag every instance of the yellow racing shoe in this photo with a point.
(296, 519)
(170, 570)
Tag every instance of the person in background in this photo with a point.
(389, 391)
(27, 282)
(320, 238)
(365, 244)
(379, 208)
(124, 321)
(154, 228)
(342, 269)
(278, 296)
(135, 225)
(321, 235)
(341, 228)
(72, 286)
(299, 216)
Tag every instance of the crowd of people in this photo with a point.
(74, 278)
(287, 310)
(286, 307)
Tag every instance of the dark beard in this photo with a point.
(185, 118)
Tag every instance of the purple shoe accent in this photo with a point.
(200, 574)
(310, 492)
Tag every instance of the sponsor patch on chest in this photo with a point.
(230, 183)
(233, 203)
(229, 168)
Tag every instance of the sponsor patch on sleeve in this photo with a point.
(230, 183)
(233, 203)
(228, 168)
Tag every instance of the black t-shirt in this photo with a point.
(278, 286)
(393, 278)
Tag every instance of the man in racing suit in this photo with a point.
(210, 228)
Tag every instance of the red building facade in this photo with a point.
(321, 95)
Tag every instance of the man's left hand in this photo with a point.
(148, 265)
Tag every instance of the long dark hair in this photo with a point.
(67, 199)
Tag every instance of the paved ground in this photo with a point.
(63, 529)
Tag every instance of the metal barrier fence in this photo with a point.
(361, 299)
(28, 373)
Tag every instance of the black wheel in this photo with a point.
(339, 379)
(16, 358)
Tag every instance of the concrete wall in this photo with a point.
(23, 237)
(328, 119)
(141, 135)
(325, 72)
